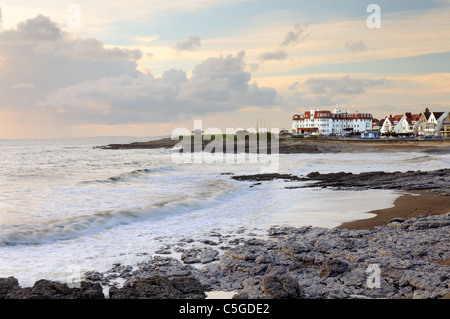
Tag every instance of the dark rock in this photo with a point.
(90, 290)
(46, 289)
(397, 220)
(280, 287)
(94, 276)
(163, 252)
(158, 287)
(199, 255)
(437, 180)
(7, 286)
(190, 287)
(208, 242)
(333, 268)
(165, 266)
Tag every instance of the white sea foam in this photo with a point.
(328, 208)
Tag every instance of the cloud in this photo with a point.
(50, 59)
(23, 86)
(299, 101)
(39, 29)
(276, 55)
(253, 67)
(217, 85)
(225, 79)
(296, 36)
(45, 37)
(356, 47)
(77, 81)
(291, 38)
(293, 86)
(346, 85)
(192, 44)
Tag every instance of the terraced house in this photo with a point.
(445, 128)
(430, 123)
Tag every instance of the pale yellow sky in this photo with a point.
(121, 74)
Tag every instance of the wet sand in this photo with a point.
(412, 204)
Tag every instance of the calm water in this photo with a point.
(66, 205)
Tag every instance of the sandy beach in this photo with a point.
(414, 204)
(410, 205)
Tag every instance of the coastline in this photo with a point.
(289, 263)
(412, 204)
(300, 146)
(408, 242)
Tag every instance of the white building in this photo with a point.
(331, 122)
(430, 123)
(407, 123)
(390, 124)
(400, 124)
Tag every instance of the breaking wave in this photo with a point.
(78, 226)
(131, 176)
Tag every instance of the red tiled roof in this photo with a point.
(398, 117)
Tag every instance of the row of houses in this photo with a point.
(423, 124)
(338, 122)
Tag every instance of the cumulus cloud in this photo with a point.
(45, 37)
(293, 86)
(347, 85)
(356, 47)
(192, 44)
(80, 81)
(217, 85)
(295, 36)
(225, 79)
(291, 38)
(276, 55)
(327, 91)
(41, 56)
(39, 29)
(253, 67)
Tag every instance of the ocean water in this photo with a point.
(65, 206)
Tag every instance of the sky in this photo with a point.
(145, 68)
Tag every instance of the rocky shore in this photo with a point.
(406, 258)
(411, 257)
(438, 180)
(297, 146)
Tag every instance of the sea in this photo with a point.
(66, 206)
